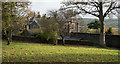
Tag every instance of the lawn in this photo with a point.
(34, 52)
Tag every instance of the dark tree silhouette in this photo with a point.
(94, 25)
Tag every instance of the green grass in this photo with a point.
(32, 52)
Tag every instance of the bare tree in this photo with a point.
(97, 8)
(60, 16)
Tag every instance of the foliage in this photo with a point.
(49, 29)
(60, 16)
(20, 32)
(42, 37)
(53, 37)
(93, 31)
(109, 31)
(94, 25)
(108, 22)
(50, 37)
(12, 15)
(30, 52)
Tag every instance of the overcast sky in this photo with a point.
(44, 5)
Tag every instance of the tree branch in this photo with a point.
(109, 9)
(88, 12)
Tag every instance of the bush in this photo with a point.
(42, 37)
(109, 31)
(49, 37)
(53, 37)
(19, 33)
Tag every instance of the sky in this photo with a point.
(44, 5)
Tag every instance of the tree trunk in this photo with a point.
(63, 40)
(102, 36)
(102, 28)
(55, 42)
(9, 37)
(102, 32)
(8, 41)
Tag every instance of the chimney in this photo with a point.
(39, 16)
(44, 17)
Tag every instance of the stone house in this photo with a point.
(33, 26)
(74, 26)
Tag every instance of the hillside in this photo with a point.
(108, 22)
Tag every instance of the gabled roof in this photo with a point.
(33, 19)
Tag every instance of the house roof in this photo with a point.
(33, 19)
(70, 21)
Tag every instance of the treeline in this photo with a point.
(108, 22)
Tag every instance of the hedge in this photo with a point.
(33, 39)
(77, 42)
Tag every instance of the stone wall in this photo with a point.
(111, 40)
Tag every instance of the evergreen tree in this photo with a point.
(94, 25)
(109, 31)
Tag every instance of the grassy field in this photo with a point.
(33, 52)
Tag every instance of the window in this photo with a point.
(65, 26)
(72, 26)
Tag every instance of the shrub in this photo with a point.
(54, 38)
(19, 33)
(42, 37)
(109, 31)
(49, 37)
